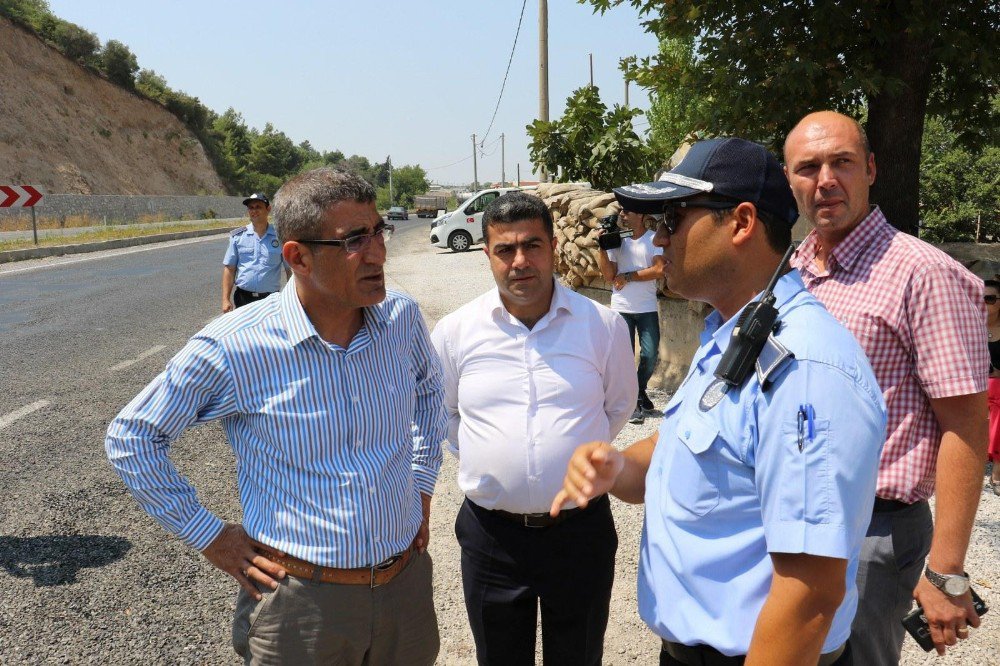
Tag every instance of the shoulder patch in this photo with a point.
(237, 232)
(772, 358)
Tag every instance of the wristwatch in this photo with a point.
(954, 585)
(627, 276)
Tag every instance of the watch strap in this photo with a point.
(940, 580)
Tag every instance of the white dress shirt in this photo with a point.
(520, 401)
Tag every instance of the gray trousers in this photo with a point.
(306, 622)
(891, 563)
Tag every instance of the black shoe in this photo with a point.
(645, 403)
(637, 415)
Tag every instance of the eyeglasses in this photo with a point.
(672, 211)
(990, 299)
(358, 243)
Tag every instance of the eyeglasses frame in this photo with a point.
(382, 229)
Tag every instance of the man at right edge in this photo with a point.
(919, 315)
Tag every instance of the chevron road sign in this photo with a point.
(19, 196)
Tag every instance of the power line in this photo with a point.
(509, 61)
(445, 166)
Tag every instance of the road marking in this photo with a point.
(146, 354)
(7, 419)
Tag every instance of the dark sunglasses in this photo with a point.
(672, 211)
(990, 299)
(357, 243)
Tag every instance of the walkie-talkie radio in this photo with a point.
(756, 322)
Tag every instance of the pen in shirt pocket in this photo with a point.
(806, 424)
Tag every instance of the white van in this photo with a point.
(462, 228)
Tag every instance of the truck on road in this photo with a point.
(429, 204)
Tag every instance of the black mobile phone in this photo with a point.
(916, 624)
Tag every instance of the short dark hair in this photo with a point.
(516, 207)
(777, 232)
(992, 283)
(302, 202)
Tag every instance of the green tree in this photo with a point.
(678, 106)
(119, 64)
(407, 182)
(960, 197)
(151, 85)
(273, 153)
(765, 63)
(591, 143)
(76, 43)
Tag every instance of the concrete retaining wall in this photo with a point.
(87, 210)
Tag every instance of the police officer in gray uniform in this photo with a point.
(253, 259)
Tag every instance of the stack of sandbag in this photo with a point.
(576, 214)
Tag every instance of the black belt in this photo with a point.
(543, 519)
(255, 294)
(704, 655)
(883, 505)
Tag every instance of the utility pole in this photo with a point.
(591, 69)
(389, 160)
(518, 174)
(543, 68)
(475, 167)
(503, 159)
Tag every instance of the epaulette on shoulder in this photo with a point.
(773, 357)
(237, 232)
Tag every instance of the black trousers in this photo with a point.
(243, 297)
(508, 570)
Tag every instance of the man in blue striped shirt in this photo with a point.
(331, 397)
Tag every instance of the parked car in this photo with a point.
(397, 213)
(462, 228)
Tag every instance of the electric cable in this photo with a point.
(509, 61)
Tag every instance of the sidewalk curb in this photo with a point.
(59, 250)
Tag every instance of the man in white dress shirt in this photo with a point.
(532, 370)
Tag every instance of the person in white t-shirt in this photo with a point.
(633, 270)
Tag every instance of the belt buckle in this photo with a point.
(527, 521)
(256, 294)
(384, 565)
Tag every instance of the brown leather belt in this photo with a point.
(373, 576)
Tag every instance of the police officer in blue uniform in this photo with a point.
(253, 259)
(758, 485)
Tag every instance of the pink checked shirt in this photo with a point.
(919, 316)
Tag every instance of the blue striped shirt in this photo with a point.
(333, 447)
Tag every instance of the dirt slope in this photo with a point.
(70, 131)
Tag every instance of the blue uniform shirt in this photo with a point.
(258, 261)
(729, 484)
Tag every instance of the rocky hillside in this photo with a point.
(68, 130)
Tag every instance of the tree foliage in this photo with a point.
(119, 64)
(764, 64)
(76, 43)
(591, 143)
(960, 197)
(407, 182)
(678, 106)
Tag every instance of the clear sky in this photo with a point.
(404, 78)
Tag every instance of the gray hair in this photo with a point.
(302, 202)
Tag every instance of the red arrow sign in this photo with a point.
(19, 196)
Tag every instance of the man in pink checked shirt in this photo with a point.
(919, 316)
